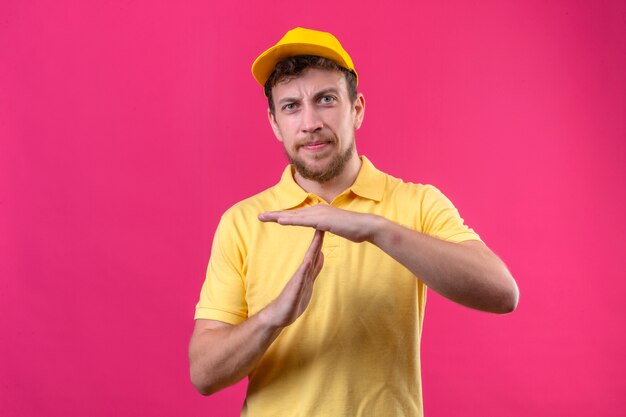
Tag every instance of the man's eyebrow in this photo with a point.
(330, 90)
(289, 100)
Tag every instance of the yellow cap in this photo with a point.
(300, 41)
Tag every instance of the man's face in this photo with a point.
(315, 120)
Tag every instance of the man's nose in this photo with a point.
(311, 120)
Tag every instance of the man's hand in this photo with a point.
(221, 354)
(295, 297)
(467, 272)
(351, 225)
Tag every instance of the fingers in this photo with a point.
(275, 216)
(315, 249)
(318, 258)
(316, 243)
(311, 263)
(269, 216)
(308, 216)
(288, 218)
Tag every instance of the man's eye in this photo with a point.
(327, 99)
(289, 107)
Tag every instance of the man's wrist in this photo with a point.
(376, 227)
(267, 319)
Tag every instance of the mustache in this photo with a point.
(317, 138)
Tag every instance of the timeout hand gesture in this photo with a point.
(357, 227)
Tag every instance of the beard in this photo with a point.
(333, 169)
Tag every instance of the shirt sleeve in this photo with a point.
(223, 294)
(440, 219)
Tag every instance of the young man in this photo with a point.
(331, 326)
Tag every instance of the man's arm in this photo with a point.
(221, 354)
(468, 273)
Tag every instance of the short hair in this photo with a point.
(291, 67)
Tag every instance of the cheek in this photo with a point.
(347, 125)
(282, 129)
(287, 125)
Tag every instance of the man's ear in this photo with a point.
(272, 119)
(359, 110)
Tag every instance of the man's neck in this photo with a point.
(330, 189)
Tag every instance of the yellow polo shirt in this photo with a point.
(355, 350)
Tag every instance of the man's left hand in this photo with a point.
(351, 225)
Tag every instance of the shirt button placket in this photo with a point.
(331, 246)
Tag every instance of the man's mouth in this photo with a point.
(316, 145)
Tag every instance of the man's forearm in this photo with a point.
(467, 273)
(222, 356)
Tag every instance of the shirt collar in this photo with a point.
(288, 193)
(370, 183)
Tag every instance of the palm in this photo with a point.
(347, 224)
(295, 297)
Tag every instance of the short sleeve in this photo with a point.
(440, 219)
(223, 295)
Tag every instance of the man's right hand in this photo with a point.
(221, 354)
(296, 295)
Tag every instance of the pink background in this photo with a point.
(127, 128)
